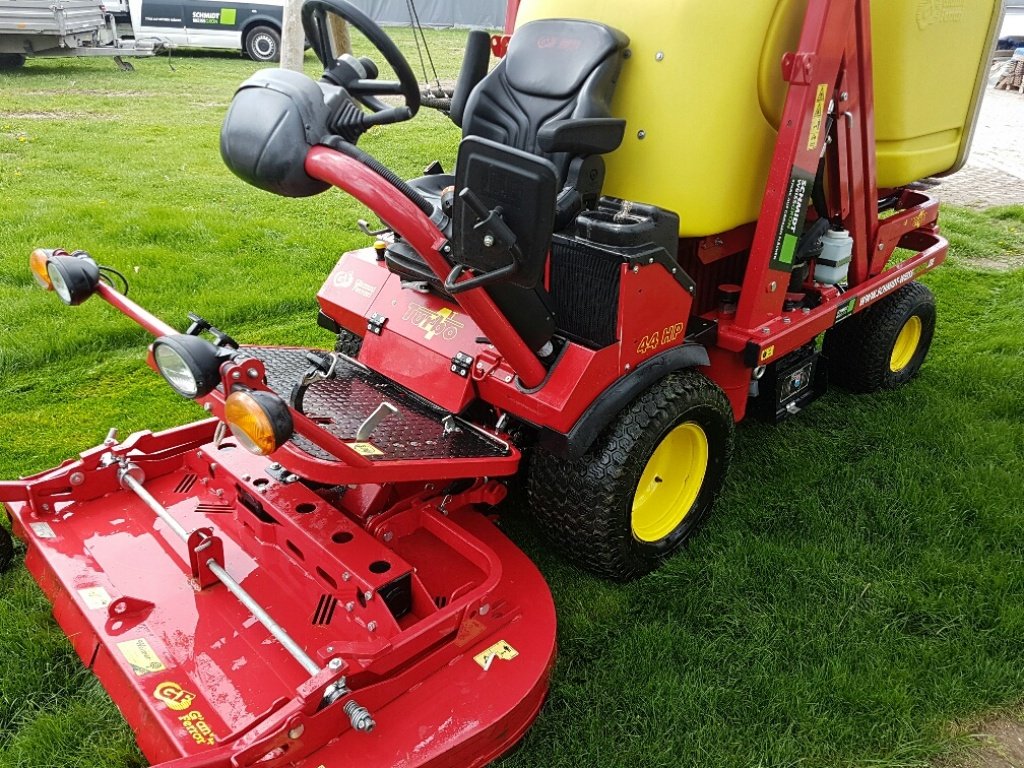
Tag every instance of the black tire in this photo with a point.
(11, 61)
(6, 549)
(348, 343)
(862, 351)
(263, 43)
(586, 506)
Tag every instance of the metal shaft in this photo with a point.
(233, 586)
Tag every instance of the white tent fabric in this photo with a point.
(437, 13)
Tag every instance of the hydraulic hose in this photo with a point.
(347, 148)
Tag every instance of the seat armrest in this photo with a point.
(582, 136)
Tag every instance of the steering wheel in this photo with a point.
(366, 88)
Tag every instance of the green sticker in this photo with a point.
(228, 15)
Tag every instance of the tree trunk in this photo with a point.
(292, 37)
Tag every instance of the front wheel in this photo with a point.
(646, 485)
(6, 549)
(263, 44)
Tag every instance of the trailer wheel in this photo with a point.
(263, 43)
(348, 343)
(885, 345)
(11, 61)
(646, 485)
(6, 549)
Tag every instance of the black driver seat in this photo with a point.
(555, 70)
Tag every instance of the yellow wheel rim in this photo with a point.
(670, 483)
(906, 345)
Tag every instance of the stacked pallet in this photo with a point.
(1012, 75)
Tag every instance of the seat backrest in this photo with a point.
(555, 69)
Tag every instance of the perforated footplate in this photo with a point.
(342, 403)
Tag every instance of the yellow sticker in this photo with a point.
(819, 112)
(500, 650)
(366, 449)
(196, 726)
(140, 654)
(767, 353)
(174, 696)
(94, 598)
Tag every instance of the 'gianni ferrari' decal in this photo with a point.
(193, 722)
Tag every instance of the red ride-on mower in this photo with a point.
(306, 577)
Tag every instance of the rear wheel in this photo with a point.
(11, 61)
(646, 485)
(263, 43)
(885, 345)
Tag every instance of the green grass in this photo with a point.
(859, 590)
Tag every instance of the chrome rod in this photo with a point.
(236, 589)
(263, 617)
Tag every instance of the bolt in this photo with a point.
(389, 536)
(881, 246)
(218, 492)
(641, 134)
(235, 375)
(628, 366)
(350, 606)
(372, 626)
(292, 479)
(334, 664)
(488, 241)
(772, 286)
(807, 310)
(77, 478)
(674, 270)
(636, 268)
(508, 379)
(246, 478)
(207, 407)
(359, 717)
(484, 609)
(295, 732)
(765, 331)
(368, 595)
(346, 576)
(786, 321)
(659, 56)
(844, 96)
(252, 373)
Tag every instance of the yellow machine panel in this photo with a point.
(702, 93)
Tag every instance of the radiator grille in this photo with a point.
(585, 292)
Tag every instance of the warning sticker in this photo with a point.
(366, 449)
(94, 598)
(819, 112)
(500, 650)
(43, 530)
(140, 654)
(794, 213)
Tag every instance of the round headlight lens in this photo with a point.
(172, 366)
(189, 364)
(259, 420)
(58, 283)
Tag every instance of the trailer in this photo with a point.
(66, 28)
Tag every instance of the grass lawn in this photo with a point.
(860, 590)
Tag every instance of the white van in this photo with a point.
(254, 27)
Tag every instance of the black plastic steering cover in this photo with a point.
(313, 16)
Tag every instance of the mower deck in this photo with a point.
(436, 623)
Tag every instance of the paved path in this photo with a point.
(994, 174)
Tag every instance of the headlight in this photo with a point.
(259, 420)
(74, 278)
(189, 364)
